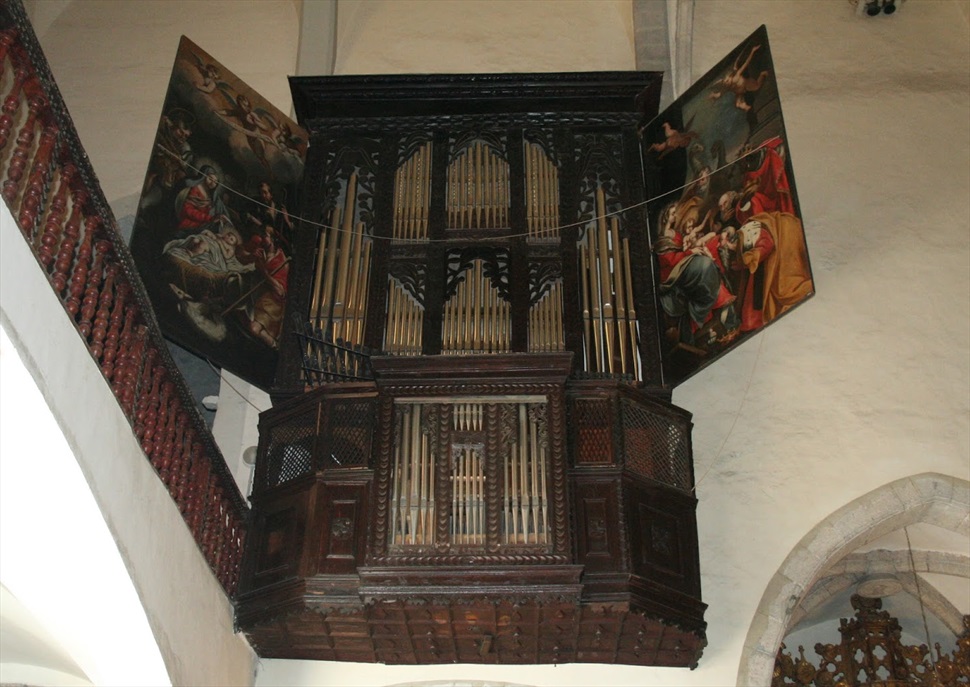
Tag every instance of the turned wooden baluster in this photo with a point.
(153, 411)
(25, 141)
(11, 104)
(92, 293)
(199, 490)
(166, 434)
(72, 233)
(54, 223)
(7, 39)
(208, 506)
(213, 514)
(193, 455)
(125, 358)
(178, 452)
(213, 548)
(161, 427)
(79, 279)
(234, 548)
(147, 395)
(225, 549)
(134, 369)
(113, 339)
(99, 328)
(37, 183)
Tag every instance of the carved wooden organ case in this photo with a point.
(471, 457)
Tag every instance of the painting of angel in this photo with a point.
(214, 229)
(726, 232)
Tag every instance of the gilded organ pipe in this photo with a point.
(610, 330)
(338, 302)
(545, 322)
(541, 195)
(412, 196)
(478, 189)
(405, 321)
(476, 319)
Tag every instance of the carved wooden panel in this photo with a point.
(598, 538)
(663, 540)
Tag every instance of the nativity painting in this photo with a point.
(725, 228)
(215, 225)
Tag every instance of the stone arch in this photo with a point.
(856, 567)
(931, 498)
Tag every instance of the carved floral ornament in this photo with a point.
(872, 653)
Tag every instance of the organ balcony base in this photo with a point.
(518, 620)
(474, 511)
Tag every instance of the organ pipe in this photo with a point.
(541, 195)
(476, 319)
(610, 330)
(338, 303)
(405, 321)
(412, 196)
(545, 321)
(478, 189)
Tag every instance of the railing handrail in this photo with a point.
(54, 196)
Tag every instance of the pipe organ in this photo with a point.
(503, 478)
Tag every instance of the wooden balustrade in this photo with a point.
(53, 194)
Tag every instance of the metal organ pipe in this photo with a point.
(338, 300)
(610, 330)
(542, 194)
(478, 189)
(476, 319)
(412, 196)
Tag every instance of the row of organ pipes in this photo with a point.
(412, 483)
(338, 300)
(405, 321)
(545, 322)
(610, 332)
(524, 505)
(541, 195)
(468, 477)
(476, 319)
(524, 502)
(412, 196)
(478, 189)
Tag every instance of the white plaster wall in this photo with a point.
(188, 612)
(112, 61)
(467, 36)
